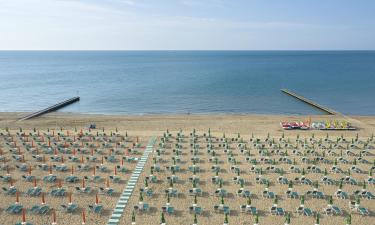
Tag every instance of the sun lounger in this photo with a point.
(341, 194)
(96, 178)
(277, 211)
(292, 194)
(96, 208)
(58, 192)
(14, 208)
(168, 209)
(85, 190)
(220, 192)
(50, 179)
(115, 179)
(222, 209)
(34, 191)
(248, 209)
(195, 209)
(28, 178)
(71, 179)
(363, 211)
(243, 193)
(106, 191)
(268, 194)
(42, 209)
(9, 191)
(6, 178)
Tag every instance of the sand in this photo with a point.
(145, 127)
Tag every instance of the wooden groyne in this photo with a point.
(308, 101)
(51, 108)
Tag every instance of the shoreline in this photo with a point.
(229, 123)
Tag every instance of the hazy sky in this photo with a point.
(187, 24)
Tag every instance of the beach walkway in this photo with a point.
(126, 194)
(51, 108)
(310, 102)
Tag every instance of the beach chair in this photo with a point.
(195, 209)
(148, 191)
(71, 179)
(152, 179)
(23, 223)
(220, 192)
(6, 178)
(85, 190)
(18, 158)
(95, 178)
(171, 192)
(332, 210)
(58, 192)
(55, 158)
(9, 191)
(37, 158)
(123, 169)
(106, 191)
(43, 167)
(222, 209)
(83, 167)
(96, 208)
(28, 178)
(168, 209)
(238, 180)
(341, 194)
(278, 211)
(34, 191)
(292, 194)
(194, 179)
(74, 159)
(194, 169)
(50, 178)
(248, 209)
(216, 180)
(60, 168)
(327, 181)
(268, 194)
(115, 179)
(130, 159)
(102, 168)
(368, 195)
(243, 193)
(69, 208)
(91, 158)
(363, 211)
(14, 208)
(307, 212)
(23, 167)
(283, 180)
(260, 180)
(336, 210)
(111, 158)
(172, 179)
(42, 209)
(215, 168)
(195, 191)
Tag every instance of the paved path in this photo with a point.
(126, 194)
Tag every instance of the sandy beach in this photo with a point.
(142, 128)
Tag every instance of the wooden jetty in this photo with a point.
(310, 102)
(51, 108)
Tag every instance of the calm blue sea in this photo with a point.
(162, 82)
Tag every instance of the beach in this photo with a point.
(142, 128)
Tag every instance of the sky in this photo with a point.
(187, 24)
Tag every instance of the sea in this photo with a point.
(188, 82)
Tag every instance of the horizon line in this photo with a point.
(186, 50)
